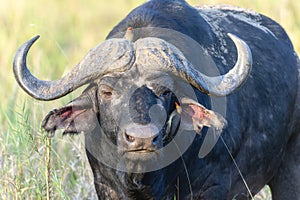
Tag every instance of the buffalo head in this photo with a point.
(132, 101)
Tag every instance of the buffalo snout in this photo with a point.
(140, 138)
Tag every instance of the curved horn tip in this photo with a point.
(19, 66)
(233, 36)
(25, 47)
(23, 50)
(236, 39)
(19, 61)
(240, 42)
(231, 81)
(35, 38)
(31, 41)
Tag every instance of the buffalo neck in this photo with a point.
(126, 185)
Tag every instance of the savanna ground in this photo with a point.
(68, 29)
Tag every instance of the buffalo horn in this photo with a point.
(161, 55)
(111, 55)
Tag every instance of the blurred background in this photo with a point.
(68, 29)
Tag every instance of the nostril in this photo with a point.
(129, 138)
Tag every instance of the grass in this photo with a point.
(68, 30)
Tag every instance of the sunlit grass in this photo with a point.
(68, 30)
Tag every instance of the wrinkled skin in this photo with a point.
(148, 93)
(260, 126)
(102, 100)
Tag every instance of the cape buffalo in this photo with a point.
(183, 102)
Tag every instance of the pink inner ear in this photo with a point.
(199, 112)
(71, 112)
(193, 113)
(66, 113)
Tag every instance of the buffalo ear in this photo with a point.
(76, 117)
(196, 116)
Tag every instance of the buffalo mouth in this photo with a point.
(140, 155)
(141, 151)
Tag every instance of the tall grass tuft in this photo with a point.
(32, 165)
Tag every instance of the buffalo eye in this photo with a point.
(106, 92)
(165, 93)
